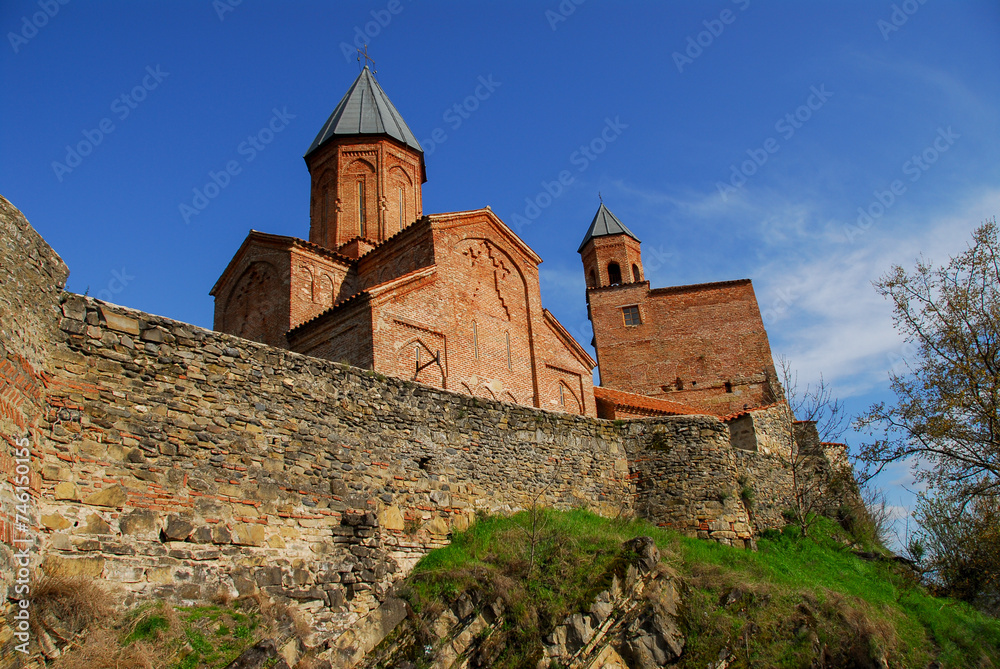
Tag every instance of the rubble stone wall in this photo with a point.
(31, 278)
(177, 462)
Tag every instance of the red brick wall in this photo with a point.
(317, 284)
(254, 300)
(477, 298)
(707, 336)
(602, 251)
(408, 251)
(384, 167)
(345, 338)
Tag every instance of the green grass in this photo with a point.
(801, 597)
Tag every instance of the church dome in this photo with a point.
(365, 110)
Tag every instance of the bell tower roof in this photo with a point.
(604, 224)
(365, 110)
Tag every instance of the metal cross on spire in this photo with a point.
(368, 59)
(599, 197)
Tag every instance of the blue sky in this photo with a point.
(735, 138)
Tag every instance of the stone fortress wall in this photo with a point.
(177, 462)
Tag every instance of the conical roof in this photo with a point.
(365, 110)
(605, 223)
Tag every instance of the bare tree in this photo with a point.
(534, 529)
(815, 403)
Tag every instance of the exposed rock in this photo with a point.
(259, 656)
(647, 554)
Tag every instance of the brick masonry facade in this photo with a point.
(702, 345)
(451, 300)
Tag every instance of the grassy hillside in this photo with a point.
(795, 602)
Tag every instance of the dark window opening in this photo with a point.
(593, 280)
(361, 207)
(614, 274)
(635, 274)
(631, 315)
(729, 387)
(678, 384)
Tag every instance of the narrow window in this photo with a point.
(729, 387)
(475, 340)
(562, 395)
(361, 207)
(402, 207)
(510, 365)
(416, 353)
(593, 280)
(614, 274)
(631, 315)
(635, 274)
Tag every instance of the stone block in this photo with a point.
(112, 496)
(88, 567)
(248, 534)
(65, 490)
(94, 524)
(119, 323)
(142, 523)
(178, 529)
(391, 518)
(56, 473)
(54, 522)
(221, 534)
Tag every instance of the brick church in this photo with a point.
(453, 300)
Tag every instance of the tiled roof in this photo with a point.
(653, 404)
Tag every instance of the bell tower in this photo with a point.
(611, 253)
(367, 170)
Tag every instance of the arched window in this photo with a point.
(592, 282)
(635, 274)
(614, 273)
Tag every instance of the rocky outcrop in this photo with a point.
(634, 624)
